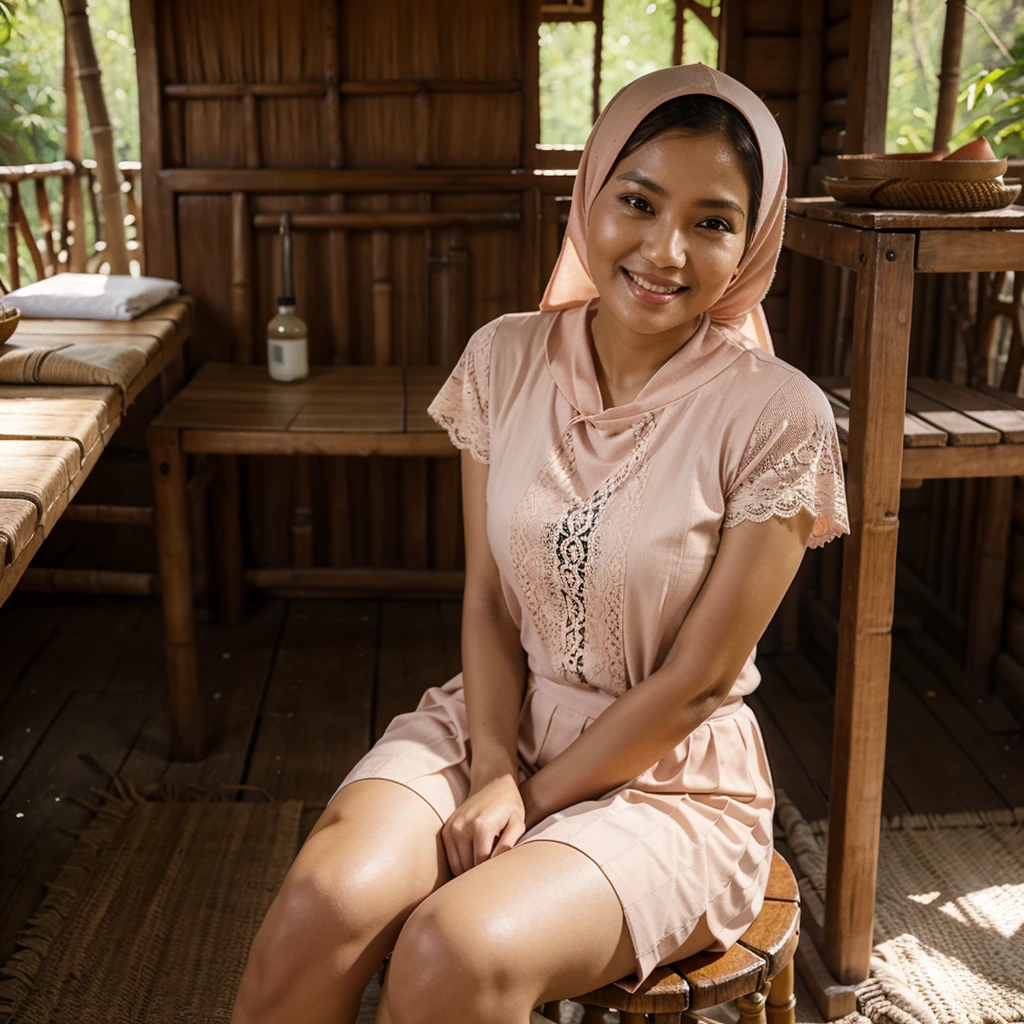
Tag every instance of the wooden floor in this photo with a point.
(297, 694)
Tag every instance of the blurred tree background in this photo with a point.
(637, 38)
(32, 94)
(32, 83)
(991, 100)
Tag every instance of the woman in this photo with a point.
(590, 797)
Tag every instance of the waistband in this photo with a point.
(589, 701)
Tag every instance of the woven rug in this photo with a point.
(152, 916)
(949, 915)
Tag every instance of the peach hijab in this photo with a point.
(740, 306)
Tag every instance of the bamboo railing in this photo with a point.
(61, 242)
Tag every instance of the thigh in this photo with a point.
(542, 918)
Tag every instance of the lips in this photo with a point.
(655, 291)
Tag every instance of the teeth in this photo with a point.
(657, 288)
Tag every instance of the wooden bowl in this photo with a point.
(8, 324)
(895, 165)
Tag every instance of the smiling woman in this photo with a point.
(640, 480)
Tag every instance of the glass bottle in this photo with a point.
(287, 334)
(287, 343)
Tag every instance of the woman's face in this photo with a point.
(668, 230)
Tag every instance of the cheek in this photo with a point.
(718, 258)
(609, 239)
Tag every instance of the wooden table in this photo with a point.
(885, 249)
(229, 410)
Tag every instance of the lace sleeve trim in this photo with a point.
(461, 407)
(808, 477)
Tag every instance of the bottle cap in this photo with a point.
(286, 300)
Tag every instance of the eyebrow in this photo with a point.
(641, 179)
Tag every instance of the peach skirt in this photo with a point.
(686, 844)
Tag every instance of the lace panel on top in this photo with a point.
(462, 405)
(793, 461)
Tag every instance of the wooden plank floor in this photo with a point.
(303, 688)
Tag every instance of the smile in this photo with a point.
(652, 293)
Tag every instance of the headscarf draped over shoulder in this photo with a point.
(740, 306)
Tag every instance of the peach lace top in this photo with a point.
(605, 522)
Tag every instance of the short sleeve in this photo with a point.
(462, 406)
(792, 461)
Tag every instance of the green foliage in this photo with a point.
(637, 38)
(992, 75)
(566, 77)
(32, 102)
(995, 101)
(32, 85)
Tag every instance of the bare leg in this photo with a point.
(536, 924)
(371, 859)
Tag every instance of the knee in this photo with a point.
(312, 935)
(446, 962)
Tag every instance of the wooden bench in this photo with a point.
(52, 436)
(228, 410)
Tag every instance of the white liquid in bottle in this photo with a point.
(287, 343)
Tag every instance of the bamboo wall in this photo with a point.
(401, 137)
(330, 107)
(405, 124)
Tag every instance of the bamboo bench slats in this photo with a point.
(985, 407)
(38, 471)
(158, 333)
(18, 519)
(86, 415)
(942, 416)
(917, 433)
(51, 436)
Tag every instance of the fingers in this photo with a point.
(451, 849)
(467, 850)
(509, 837)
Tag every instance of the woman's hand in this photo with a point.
(488, 822)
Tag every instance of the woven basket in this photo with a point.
(899, 194)
(8, 324)
(904, 167)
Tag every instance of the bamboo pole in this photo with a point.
(87, 72)
(73, 218)
(949, 75)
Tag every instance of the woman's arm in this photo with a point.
(493, 660)
(752, 570)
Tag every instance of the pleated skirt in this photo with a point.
(686, 845)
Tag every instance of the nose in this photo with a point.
(664, 246)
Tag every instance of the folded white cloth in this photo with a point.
(92, 296)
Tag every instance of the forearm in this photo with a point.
(627, 738)
(494, 681)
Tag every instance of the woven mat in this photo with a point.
(152, 916)
(949, 915)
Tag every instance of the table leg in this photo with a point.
(228, 533)
(881, 340)
(171, 513)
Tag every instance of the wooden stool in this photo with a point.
(756, 974)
